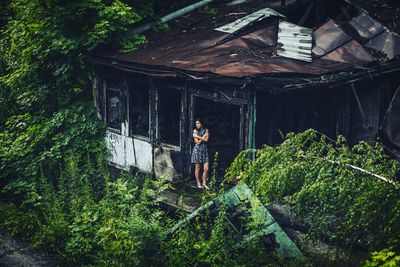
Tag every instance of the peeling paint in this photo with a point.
(126, 152)
(115, 144)
(139, 154)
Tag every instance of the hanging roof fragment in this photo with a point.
(237, 44)
(294, 41)
(249, 19)
(263, 223)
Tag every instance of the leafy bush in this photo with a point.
(383, 258)
(210, 241)
(124, 227)
(120, 229)
(17, 222)
(313, 175)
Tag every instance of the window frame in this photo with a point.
(176, 147)
(132, 87)
(105, 102)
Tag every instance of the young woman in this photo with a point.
(200, 153)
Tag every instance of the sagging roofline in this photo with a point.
(275, 83)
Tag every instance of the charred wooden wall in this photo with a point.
(353, 110)
(167, 148)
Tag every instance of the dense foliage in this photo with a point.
(55, 188)
(312, 175)
(52, 153)
(45, 83)
(123, 227)
(308, 172)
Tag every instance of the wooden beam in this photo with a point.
(360, 108)
(306, 13)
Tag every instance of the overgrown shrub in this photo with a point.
(120, 229)
(314, 176)
(210, 241)
(383, 258)
(123, 227)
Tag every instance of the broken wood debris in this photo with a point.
(236, 200)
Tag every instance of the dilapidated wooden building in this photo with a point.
(254, 72)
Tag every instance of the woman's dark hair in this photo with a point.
(199, 120)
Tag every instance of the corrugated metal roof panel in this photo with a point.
(251, 18)
(193, 45)
(294, 41)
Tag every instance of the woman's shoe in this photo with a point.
(205, 186)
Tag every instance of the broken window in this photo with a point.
(169, 115)
(113, 104)
(139, 108)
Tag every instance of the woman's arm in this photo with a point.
(196, 137)
(203, 138)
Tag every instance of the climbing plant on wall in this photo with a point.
(52, 151)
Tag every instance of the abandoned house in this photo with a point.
(253, 72)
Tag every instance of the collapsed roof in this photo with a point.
(258, 38)
(244, 209)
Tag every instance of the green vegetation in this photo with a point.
(312, 175)
(56, 191)
(211, 11)
(383, 258)
(211, 241)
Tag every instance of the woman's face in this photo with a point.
(198, 125)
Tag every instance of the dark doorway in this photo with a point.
(223, 121)
(169, 116)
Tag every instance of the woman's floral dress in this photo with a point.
(200, 151)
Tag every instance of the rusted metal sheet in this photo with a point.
(329, 37)
(386, 42)
(193, 44)
(366, 26)
(352, 52)
(294, 41)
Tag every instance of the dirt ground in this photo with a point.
(15, 253)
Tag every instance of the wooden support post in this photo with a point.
(306, 13)
(153, 110)
(360, 108)
(185, 138)
(125, 106)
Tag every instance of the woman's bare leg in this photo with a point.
(205, 172)
(197, 174)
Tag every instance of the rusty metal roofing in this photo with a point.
(329, 37)
(193, 44)
(386, 42)
(366, 26)
(352, 53)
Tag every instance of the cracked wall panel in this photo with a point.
(116, 146)
(139, 153)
